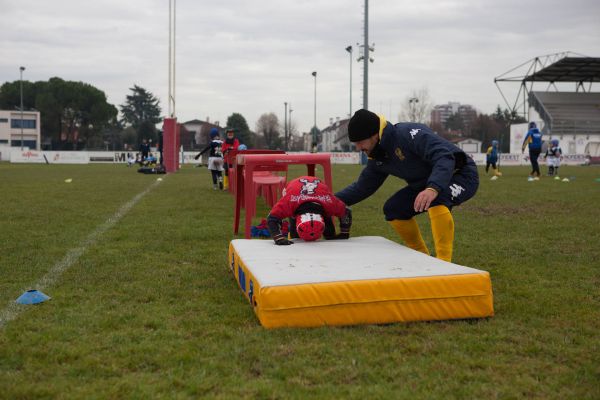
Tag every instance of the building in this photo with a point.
(17, 133)
(335, 136)
(470, 145)
(200, 130)
(441, 113)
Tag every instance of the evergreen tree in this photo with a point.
(73, 114)
(237, 122)
(141, 111)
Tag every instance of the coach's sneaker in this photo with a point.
(537, 178)
(214, 186)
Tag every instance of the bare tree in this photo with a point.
(417, 107)
(268, 126)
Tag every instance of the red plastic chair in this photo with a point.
(269, 186)
(231, 157)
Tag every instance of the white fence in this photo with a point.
(85, 157)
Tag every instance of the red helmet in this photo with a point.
(309, 226)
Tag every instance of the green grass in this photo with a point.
(150, 310)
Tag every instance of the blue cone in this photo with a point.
(32, 297)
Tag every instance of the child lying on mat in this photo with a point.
(310, 205)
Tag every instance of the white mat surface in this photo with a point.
(358, 258)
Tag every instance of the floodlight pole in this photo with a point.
(21, 69)
(349, 50)
(412, 104)
(366, 58)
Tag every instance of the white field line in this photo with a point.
(13, 309)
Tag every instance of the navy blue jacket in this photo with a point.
(411, 152)
(533, 139)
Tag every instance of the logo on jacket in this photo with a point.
(399, 154)
(456, 190)
(309, 187)
(413, 132)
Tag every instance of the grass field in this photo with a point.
(144, 306)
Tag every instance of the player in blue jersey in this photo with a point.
(439, 176)
(533, 139)
(491, 158)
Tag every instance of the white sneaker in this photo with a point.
(493, 178)
(530, 179)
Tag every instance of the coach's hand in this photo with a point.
(341, 236)
(424, 199)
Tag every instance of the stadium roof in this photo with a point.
(554, 69)
(569, 69)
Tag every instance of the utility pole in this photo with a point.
(285, 127)
(314, 129)
(22, 69)
(290, 124)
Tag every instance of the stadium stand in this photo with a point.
(573, 115)
(567, 113)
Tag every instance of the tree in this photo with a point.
(268, 126)
(455, 122)
(486, 129)
(504, 119)
(237, 122)
(141, 111)
(417, 107)
(73, 114)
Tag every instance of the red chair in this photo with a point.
(269, 186)
(230, 159)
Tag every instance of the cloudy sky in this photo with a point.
(252, 56)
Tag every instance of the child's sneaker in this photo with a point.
(530, 179)
(214, 186)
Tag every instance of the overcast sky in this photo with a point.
(252, 56)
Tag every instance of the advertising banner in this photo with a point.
(26, 156)
(66, 157)
(345, 158)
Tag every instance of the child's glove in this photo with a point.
(283, 241)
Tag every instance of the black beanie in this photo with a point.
(363, 125)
